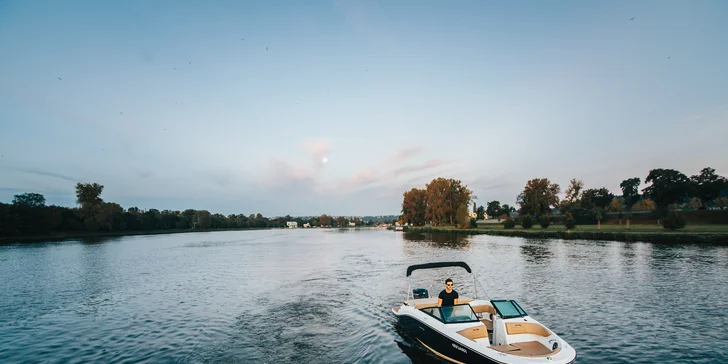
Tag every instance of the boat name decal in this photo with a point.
(459, 348)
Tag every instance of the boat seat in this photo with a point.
(516, 328)
(488, 324)
(474, 333)
(483, 308)
(531, 349)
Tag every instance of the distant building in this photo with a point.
(292, 224)
(306, 225)
(351, 223)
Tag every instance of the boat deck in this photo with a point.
(533, 349)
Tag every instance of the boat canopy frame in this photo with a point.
(433, 265)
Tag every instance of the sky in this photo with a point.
(338, 107)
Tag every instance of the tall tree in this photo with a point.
(494, 209)
(507, 209)
(325, 220)
(630, 192)
(707, 185)
(596, 197)
(414, 206)
(480, 213)
(458, 195)
(29, 200)
(341, 221)
(574, 190)
(538, 196)
(89, 194)
(438, 191)
(668, 186)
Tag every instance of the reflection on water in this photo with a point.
(451, 240)
(326, 296)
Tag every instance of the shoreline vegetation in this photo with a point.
(29, 219)
(702, 234)
(659, 214)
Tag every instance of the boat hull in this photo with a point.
(439, 344)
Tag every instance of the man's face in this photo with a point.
(448, 286)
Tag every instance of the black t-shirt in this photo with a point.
(448, 299)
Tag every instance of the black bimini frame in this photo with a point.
(415, 267)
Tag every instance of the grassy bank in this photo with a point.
(696, 234)
(105, 234)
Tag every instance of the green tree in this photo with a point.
(203, 219)
(721, 202)
(494, 209)
(668, 186)
(707, 185)
(507, 209)
(89, 194)
(599, 198)
(29, 200)
(538, 196)
(630, 192)
(571, 200)
(480, 213)
(341, 221)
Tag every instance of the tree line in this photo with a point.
(447, 200)
(28, 214)
(667, 190)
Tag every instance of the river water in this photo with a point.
(325, 296)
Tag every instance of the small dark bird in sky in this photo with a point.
(121, 113)
(266, 48)
(242, 38)
(175, 102)
(668, 57)
(59, 79)
(366, 71)
(175, 69)
(190, 62)
(631, 19)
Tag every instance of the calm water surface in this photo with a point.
(326, 296)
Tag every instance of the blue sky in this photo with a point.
(338, 107)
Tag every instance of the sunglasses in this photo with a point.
(449, 284)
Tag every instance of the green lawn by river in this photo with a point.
(617, 228)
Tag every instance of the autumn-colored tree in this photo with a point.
(325, 220)
(341, 221)
(572, 194)
(463, 218)
(721, 202)
(696, 203)
(616, 205)
(437, 205)
(414, 206)
(459, 195)
(644, 205)
(538, 196)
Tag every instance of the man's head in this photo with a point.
(448, 285)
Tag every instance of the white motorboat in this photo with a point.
(477, 330)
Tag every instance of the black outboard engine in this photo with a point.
(420, 293)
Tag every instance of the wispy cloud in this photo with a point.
(405, 154)
(42, 173)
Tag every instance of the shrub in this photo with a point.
(509, 223)
(473, 223)
(569, 222)
(527, 222)
(545, 221)
(673, 221)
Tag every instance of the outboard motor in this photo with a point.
(420, 293)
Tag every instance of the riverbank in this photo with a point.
(697, 234)
(106, 234)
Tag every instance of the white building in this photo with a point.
(292, 224)
(306, 225)
(351, 223)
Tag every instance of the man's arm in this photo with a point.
(439, 302)
(456, 298)
(456, 301)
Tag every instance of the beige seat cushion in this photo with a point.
(484, 308)
(473, 333)
(515, 328)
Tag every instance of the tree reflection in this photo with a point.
(536, 253)
(442, 240)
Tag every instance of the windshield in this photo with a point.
(457, 314)
(508, 309)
